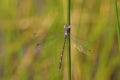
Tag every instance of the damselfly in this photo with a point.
(80, 48)
(77, 44)
(66, 33)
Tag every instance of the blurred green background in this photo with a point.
(31, 38)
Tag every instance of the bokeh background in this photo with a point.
(32, 33)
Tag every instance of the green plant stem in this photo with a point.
(117, 23)
(69, 47)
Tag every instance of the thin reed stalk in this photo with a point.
(117, 23)
(69, 47)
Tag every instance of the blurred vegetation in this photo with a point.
(31, 38)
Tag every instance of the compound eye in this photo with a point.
(65, 33)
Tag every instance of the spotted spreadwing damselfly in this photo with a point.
(77, 44)
(80, 48)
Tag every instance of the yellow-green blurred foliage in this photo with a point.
(31, 38)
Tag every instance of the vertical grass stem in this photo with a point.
(117, 23)
(69, 47)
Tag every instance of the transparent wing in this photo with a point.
(43, 42)
(80, 45)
